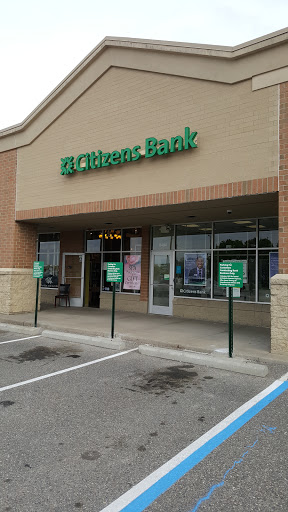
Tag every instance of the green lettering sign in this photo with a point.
(114, 272)
(38, 269)
(93, 160)
(231, 274)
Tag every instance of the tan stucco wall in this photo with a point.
(237, 138)
(48, 297)
(123, 302)
(17, 291)
(217, 311)
(279, 313)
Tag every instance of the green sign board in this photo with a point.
(231, 274)
(98, 159)
(38, 269)
(114, 272)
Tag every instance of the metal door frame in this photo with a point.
(75, 301)
(162, 310)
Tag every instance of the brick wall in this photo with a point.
(222, 191)
(144, 293)
(283, 179)
(17, 241)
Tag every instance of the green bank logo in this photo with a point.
(97, 160)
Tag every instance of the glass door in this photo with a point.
(73, 274)
(161, 283)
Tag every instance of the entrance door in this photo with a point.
(94, 280)
(73, 274)
(161, 283)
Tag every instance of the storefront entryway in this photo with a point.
(92, 280)
(73, 274)
(161, 283)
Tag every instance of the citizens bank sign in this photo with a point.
(97, 160)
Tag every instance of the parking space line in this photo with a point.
(71, 369)
(20, 339)
(148, 490)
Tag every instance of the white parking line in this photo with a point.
(20, 339)
(71, 369)
(139, 497)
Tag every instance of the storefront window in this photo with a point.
(193, 236)
(118, 245)
(193, 274)
(268, 232)
(248, 258)
(197, 259)
(48, 251)
(94, 241)
(132, 239)
(267, 267)
(235, 234)
(162, 238)
(112, 240)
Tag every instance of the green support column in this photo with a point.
(36, 306)
(113, 312)
(230, 322)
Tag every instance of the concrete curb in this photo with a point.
(21, 329)
(237, 365)
(96, 341)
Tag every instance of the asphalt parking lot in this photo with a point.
(92, 438)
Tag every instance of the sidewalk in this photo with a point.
(171, 332)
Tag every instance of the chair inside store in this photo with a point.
(64, 293)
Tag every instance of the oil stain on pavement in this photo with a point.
(41, 352)
(167, 379)
(6, 403)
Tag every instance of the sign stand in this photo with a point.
(113, 312)
(38, 272)
(36, 306)
(230, 322)
(231, 275)
(114, 275)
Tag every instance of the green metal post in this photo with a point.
(113, 311)
(230, 321)
(36, 306)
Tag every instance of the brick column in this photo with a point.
(279, 283)
(283, 180)
(18, 245)
(145, 260)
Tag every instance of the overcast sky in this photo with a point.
(42, 41)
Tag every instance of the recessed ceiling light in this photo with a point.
(242, 222)
(205, 229)
(192, 225)
(252, 226)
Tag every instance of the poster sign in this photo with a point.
(231, 274)
(132, 272)
(114, 272)
(273, 264)
(38, 269)
(195, 269)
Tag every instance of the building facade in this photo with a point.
(168, 157)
